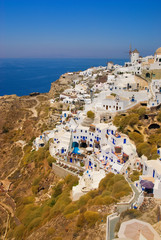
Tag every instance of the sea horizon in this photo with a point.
(22, 76)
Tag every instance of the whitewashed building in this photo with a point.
(152, 171)
(115, 103)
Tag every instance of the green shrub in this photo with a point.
(45, 211)
(71, 181)
(131, 213)
(133, 119)
(72, 215)
(70, 208)
(58, 189)
(81, 221)
(91, 218)
(28, 200)
(51, 202)
(50, 160)
(62, 201)
(90, 114)
(159, 117)
(154, 138)
(28, 213)
(143, 149)
(19, 231)
(118, 177)
(35, 189)
(83, 209)
(83, 200)
(34, 223)
(106, 181)
(99, 200)
(106, 193)
(120, 195)
(93, 193)
(50, 231)
(120, 187)
(135, 176)
(141, 111)
(36, 181)
(108, 200)
(136, 137)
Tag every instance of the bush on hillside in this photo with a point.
(34, 223)
(136, 137)
(109, 178)
(58, 189)
(135, 176)
(159, 117)
(50, 160)
(71, 181)
(70, 208)
(90, 114)
(141, 111)
(83, 200)
(130, 213)
(121, 186)
(81, 221)
(19, 231)
(91, 218)
(133, 119)
(144, 149)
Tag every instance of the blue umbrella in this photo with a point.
(147, 184)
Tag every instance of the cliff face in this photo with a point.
(21, 120)
(62, 83)
(26, 177)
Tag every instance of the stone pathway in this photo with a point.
(113, 220)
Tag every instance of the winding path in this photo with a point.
(7, 208)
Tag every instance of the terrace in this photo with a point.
(70, 167)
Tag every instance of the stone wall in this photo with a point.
(61, 172)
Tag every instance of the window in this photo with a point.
(74, 136)
(145, 168)
(109, 106)
(81, 131)
(86, 131)
(119, 107)
(91, 140)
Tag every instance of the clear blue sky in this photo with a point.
(79, 28)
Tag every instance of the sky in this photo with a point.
(78, 28)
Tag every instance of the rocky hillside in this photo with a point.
(34, 202)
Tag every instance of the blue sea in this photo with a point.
(23, 76)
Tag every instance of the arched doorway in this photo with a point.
(83, 145)
(147, 75)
